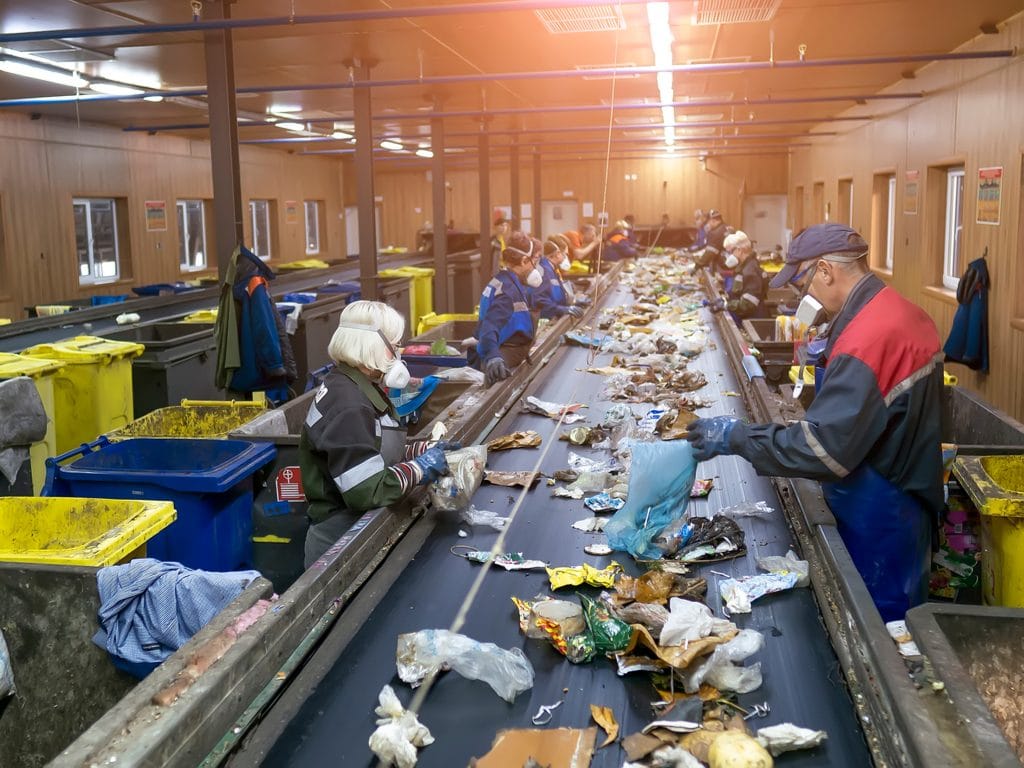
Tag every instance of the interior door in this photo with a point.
(764, 220)
(558, 216)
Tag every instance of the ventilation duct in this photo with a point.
(733, 11)
(592, 18)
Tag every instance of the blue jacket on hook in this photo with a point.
(968, 338)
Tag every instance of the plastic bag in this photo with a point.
(474, 516)
(454, 491)
(428, 651)
(790, 563)
(738, 594)
(786, 737)
(465, 373)
(399, 733)
(689, 621)
(608, 633)
(721, 670)
(659, 492)
(6, 672)
(747, 509)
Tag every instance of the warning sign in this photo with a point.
(289, 484)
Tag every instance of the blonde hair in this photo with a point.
(362, 345)
(738, 240)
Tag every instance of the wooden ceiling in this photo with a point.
(756, 109)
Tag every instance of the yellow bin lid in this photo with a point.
(201, 316)
(17, 365)
(86, 350)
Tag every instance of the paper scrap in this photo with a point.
(524, 439)
(605, 718)
(558, 746)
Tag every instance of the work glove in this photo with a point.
(432, 464)
(447, 445)
(575, 311)
(582, 299)
(495, 370)
(710, 437)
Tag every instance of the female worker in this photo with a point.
(555, 297)
(750, 286)
(352, 451)
(505, 330)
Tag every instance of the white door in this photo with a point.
(558, 216)
(764, 221)
(352, 230)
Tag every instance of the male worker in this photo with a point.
(872, 434)
(619, 244)
(499, 236)
(582, 244)
(714, 246)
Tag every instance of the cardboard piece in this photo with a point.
(562, 747)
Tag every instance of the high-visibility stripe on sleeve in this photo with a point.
(350, 478)
(819, 451)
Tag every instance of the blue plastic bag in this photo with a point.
(661, 478)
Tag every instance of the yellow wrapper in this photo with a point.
(571, 576)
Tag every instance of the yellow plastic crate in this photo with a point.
(201, 316)
(421, 292)
(83, 532)
(996, 486)
(303, 264)
(192, 419)
(432, 320)
(41, 371)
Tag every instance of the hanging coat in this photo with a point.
(968, 338)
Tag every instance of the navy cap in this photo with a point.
(834, 240)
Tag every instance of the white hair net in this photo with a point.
(363, 346)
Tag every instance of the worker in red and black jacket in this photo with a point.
(872, 434)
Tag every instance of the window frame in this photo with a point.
(181, 207)
(315, 206)
(269, 232)
(890, 223)
(92, 278)
(952, 231)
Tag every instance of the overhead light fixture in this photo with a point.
(391, 144)
(154, 98)
(54, 75)
(661, 47)
(341, 135)
(115, 89)
(293, 127)
(424, 153)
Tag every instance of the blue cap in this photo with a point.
(817, 241)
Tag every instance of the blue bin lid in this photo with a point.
(180, 464)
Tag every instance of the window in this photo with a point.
(259, 212)
(313, 226)
(883, 220)
(191, 235)
(951, 266)
(890, 222)
(96, 240)
(846, 202)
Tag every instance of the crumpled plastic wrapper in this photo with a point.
(522, 439)
(454, 492)
(747, 509)
(590, 524)
(399, 734)
(722, 670)
(567, 412)
(787, 737)
(429, 651)
(658, 586)
(788, 564)
(649, 615)
(688, 621)
(738, 594)
(573, 576)
(490, 518)
(523, 479)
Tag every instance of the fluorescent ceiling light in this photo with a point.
(668, 115)
(424, 153)
(284, 109)
(341, 135)
(115, 89)
(155, 98)
(293, 127)
(661, 47)
(391, 144)
(51, 75)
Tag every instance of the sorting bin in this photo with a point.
(41, 371)
(462, 321)
(465, 282)
(201, 316)
(316, 324)
(93, 392)
(179, 361)
(351, 290)
(421, 291)
(777, 354)
(210, 483)
(163, 289)
(199, 419)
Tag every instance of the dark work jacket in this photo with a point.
(968, 338)
(879, 402)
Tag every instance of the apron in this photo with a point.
(321, 536)
(888, 535)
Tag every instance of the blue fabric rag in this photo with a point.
(150, 608)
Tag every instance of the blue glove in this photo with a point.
(575, 311)
(447, 445)
(495, 370)
(710, 437)
(432, 464)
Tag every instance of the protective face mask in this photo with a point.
(535, 279)
(731, 261)
(564, 265)
(809, 311)
(397, 375)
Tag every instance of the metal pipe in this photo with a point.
(391, 157)
(713, 67)
(406, 12)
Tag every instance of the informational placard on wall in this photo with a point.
(291, 212)
(156, 215)
(911, 185)
(990, 189)
(588, 210)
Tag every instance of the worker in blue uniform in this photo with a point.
(506, 328)
(555, 297)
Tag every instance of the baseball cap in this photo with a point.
(836, 241)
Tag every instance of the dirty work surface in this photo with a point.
(802, 679)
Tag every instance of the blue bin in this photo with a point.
(163, 289)
(210, 483)
(353, 289)
(98, 301)
(299, 298)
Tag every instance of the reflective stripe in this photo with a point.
(913, 378)
(496, 285)
(520, 306)
(751, 298)
(350, 478)
(819, 451)
(386, 421)
(313, 415)
(377, 428)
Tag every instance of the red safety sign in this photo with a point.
(289, 484)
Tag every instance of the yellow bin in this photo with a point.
(192, 419)
(41, 372)
(421, 294)
(93, 393)
(432, 320)
(201, 316)
(87, 532)
(996, 486)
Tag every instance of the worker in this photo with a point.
(499, 234)
(505, 330)
(555, 297)
(583, 244)
(619, 246)
(714, 245)
(872, 434)
(700, 237)
(746, 297)
(352, 451)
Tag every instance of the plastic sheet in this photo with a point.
(454, 491)
(747, 509)
(790, 563)
(721, 669)
(659, 491)
(399, 734)
(487, 517)
(429, 651)
(787, 737)
(738, 594)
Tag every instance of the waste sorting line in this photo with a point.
(802, 681)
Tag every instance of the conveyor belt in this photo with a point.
(329, 714)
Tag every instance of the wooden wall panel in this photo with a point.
(976, 118)
(44, 164)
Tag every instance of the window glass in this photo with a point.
(260, 211)
(191, 235)
(96, 239)
(890, 227)
(312, 227)
(951, 263)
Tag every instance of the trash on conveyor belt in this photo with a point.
(430, 651)
(590, 524)
(591, 437)
(486, 517)
(581, 339)
(701, 488)
(787, 563)
(658, 587)
(523, 479)
(747, 509)
(605, 717)
(538, 748)
(711, 539)
(738, 594)
(510, 561)
(454, 491)
(523, 439)
(787, 737)
(399, 734)
(573, 576)
(602, 502)
(567, 412)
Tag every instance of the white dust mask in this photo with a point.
(535, 279)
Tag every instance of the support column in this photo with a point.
(228, 229)
(364, 185)
(442, 301)
(513, 175)
(536, 195)
(487, 263)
